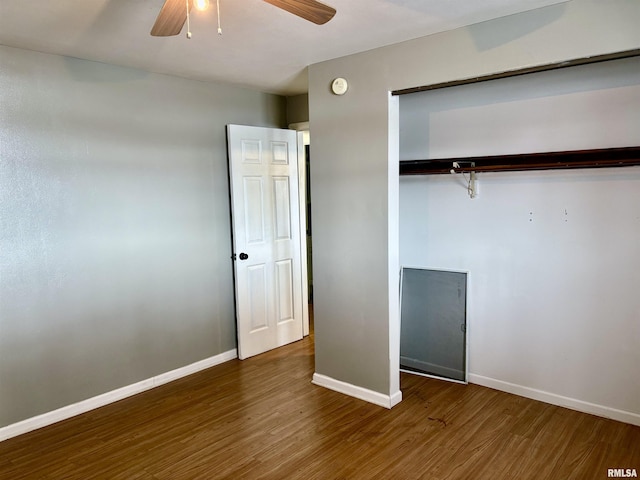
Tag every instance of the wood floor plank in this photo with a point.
(263, 419)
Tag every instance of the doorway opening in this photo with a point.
(270, 268)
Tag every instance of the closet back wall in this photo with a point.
(554, 257)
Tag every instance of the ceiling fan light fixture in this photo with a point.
(174, 13)
(201, 5)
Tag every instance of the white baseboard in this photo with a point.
(74, 409)
(559, 400)
(387, 401)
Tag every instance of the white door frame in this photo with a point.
(303, 138)
(302, 200)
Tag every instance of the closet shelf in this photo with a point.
(598, 158)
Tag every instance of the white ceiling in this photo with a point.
(261, 47)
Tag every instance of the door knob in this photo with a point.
(243, 256)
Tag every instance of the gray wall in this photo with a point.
(355, 154)
(552, 256)
(114, 226)
(298, 108)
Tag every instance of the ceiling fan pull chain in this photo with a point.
(219, 27)
(188, 26)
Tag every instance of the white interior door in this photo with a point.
(263, 166)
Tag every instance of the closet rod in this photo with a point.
(598, 158)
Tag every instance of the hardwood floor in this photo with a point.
(262, 418)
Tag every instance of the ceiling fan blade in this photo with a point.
(171, 18)
(315, 12)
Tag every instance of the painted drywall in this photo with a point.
(553, 257)
(582, 107)
(298, 109)
(354, 177)
(114, 212)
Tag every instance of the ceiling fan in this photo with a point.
(173, 14)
